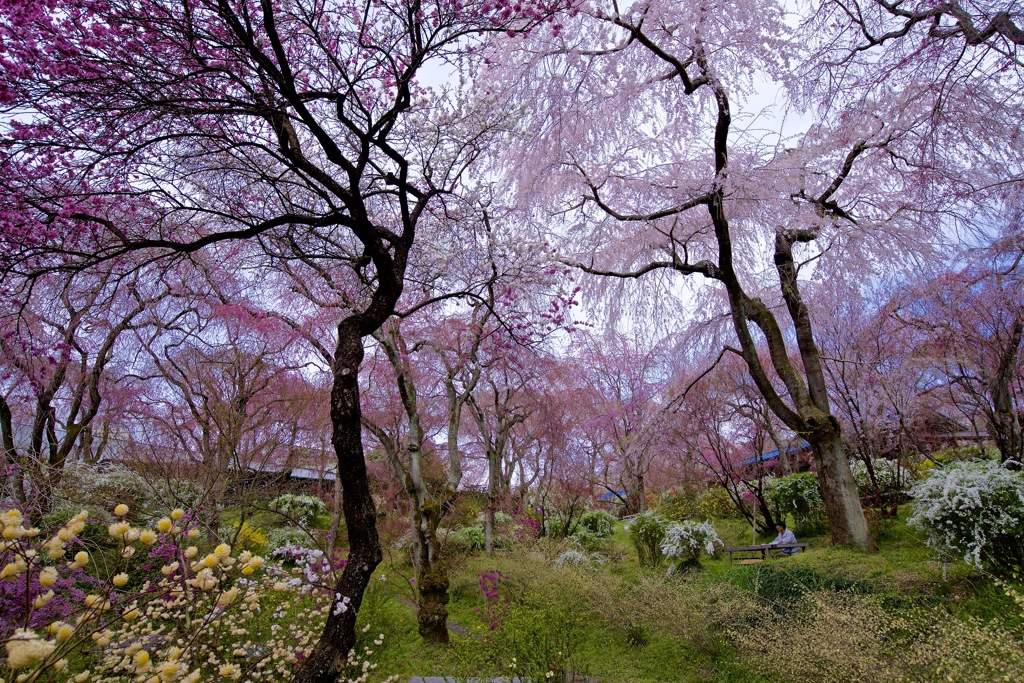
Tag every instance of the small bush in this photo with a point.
(244, 537)
(685, 542)
(687, 503)
(974, 510)
(798, 495)
(598, 522)
(647, 532)
(301, 508)
(780, 586)
(471, 537)
(277, 538)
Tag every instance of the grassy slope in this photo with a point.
(623, 623)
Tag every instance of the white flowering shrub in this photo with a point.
(302, 508)
(686, 541)
(974, 510)
(572, 557)
(157, 609)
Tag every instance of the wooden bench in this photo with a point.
(766, 550)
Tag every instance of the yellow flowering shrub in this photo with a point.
(224, 615)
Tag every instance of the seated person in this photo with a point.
(785, 537)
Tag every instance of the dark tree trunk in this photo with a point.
(328, 657)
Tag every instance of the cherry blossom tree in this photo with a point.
(62, 334)
(653, 152)
(294, 131)
(972, 321)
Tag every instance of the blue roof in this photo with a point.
(773, 455)
(611, 495)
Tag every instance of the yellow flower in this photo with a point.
(229, 671)
(60, 664)
(169, 569)
(119, 529)
(48, 577)
(121, 510)
(148, 536)
(191, 551)
(42, 599)
(177, 513)
(130, 614)
(81, 559)
(227, 597)
(120, 580)
(64, 632)
(12, 518)
(141, 659)
(164, 525)
(223, 550)
(210, 561)
(193, 533)
(82, 677)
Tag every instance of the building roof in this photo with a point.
(774, 455)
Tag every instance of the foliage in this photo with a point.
(469, 537)
(282, 536)
(103, 486)
(891, 475)
(647, 532)
(245, 536)
(798, 495)
(685, 542)
(301, 508)
(780, 586)
(974, 510)
(839, 637)
(684, 503)
(588, 540)
(598, 522)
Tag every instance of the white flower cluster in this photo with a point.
(974, 509)
(687, 540)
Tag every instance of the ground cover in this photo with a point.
(829, 614)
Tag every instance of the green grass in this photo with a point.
(623, 623)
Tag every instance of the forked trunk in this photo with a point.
(339, 636)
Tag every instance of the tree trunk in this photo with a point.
(335, 531)
(431, 577)
(847, 525)
(493, 467)
(339, 636)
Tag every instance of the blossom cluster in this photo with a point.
(193, 616)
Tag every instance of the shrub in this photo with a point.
(471, 537)
(840, 637)
(283, 536)
(798, 495)
(647, 531)
(245, 537)
(598, 522)
(588, 540)
(301, 508)
(695, 504)
(891, 475)
(685, 542)
(974, 510)
(572, 557)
